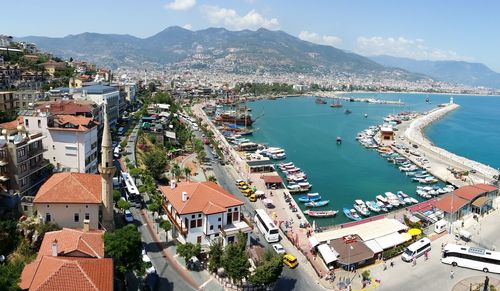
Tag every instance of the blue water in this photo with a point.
(342, 173)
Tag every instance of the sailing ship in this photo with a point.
(320, 101)
(336, 103)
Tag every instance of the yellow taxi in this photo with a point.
(247, 192)
(244, 187)
(253, 198)
(290, 261)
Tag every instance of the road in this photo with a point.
(296, 279)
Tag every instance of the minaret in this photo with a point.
(107, 170)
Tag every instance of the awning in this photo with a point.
(414, 231)
(406, 236)
(390, 240)
(313, 241)
(480, 201)
(329, 256)
(374, 246)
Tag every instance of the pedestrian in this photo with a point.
(392, 263)
(385, 266)
(414, 261)
(426, 255)
(452, 274)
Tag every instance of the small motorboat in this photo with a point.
(373, 206)
(317, 203)
(351, 214)
(360, 206)
(310, 197)
(321, 213)
(381, 205)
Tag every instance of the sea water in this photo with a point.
(345, 172)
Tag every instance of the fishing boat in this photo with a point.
(423, 194)
(317, 203)
(295, 188)
(373, 206)
(360, 206)
(320, 213)
(347, 111)
(339, 140)
(351, 214)
(305, 185)
(366, 115)
(310, 197)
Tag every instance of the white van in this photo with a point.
(440, 226)
(416, 249)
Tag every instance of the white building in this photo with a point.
(101, 94)
(71, 143)
(201, 212)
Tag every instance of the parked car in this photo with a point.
(278, 248)
(128, 216)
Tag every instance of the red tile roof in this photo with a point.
(12, 124)
(68, 273)
(74, 188)
(81, 123)
(206, 197)
(70, 107)
(450, 203)
(73, 242)
(472, 191)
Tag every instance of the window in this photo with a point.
(47, 217)
(21, 152)
(219, 219)
(235, 216)
(25, 207)
(66, 206)
(211, 227)
(199, 222)
(87, 216)
(198, 239)
(192, 223)
(26, 122)
(39, 123)
(192, 216)
(219, 226)
(77, 217)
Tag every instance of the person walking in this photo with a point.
(392, 263)
(385, 266)
(452, 274)
(414, 261)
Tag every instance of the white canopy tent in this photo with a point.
(390, 240)
(329, 255)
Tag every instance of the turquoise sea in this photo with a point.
(342, 173)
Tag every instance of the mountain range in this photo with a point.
(243, 51)
(473, 74)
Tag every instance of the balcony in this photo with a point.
(236, 227)
(179, 227)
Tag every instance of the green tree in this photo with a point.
(235, 262)
(135, 172)
(212, 178)
(124, 246)
(188, 250)
(176, 170)
(10, 274)
(116, 195)
(155, 161)
(166, 225)
(269, 271)
(215, 255)
(9, 237)
(187, 173)
(123, 204)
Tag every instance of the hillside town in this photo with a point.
(127, 180)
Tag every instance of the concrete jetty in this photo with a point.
(440, 160)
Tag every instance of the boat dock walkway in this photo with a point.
(410, 133)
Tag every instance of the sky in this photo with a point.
(423, 29)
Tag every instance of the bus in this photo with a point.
(266, 226)
(472, 258)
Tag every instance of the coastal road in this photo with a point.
(296, 279)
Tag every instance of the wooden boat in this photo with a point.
(317, 203)
(321, 213)
(351, 214)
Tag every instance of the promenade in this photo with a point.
(410, 133)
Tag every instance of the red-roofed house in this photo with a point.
(204, 211)
(68, 199)
(69, 259)
(476, 199)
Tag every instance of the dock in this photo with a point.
(410, 133)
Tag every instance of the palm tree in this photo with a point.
(176, 170)
(187, 172)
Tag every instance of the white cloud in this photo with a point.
(181, 5)
(188, 26)
(231, 19)
(320, 39)
(404, 47)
